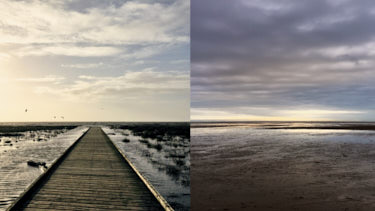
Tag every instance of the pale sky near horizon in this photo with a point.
(283, 60)
(93, 60)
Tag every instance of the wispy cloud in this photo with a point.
(47, 79)
(140, 86)
(52, 27)
(83, 65)
(67, 50)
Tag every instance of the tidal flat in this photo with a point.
(283, 166)
(26, 150)
(161, 152)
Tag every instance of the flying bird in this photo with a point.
(26, 110)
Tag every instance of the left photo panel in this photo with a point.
(95, 104)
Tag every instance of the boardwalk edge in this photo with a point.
(36, 183)
(154, 192)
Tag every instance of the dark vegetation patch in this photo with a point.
(150, 145)
(143, 141)
(157, 146)
(36, 164)
(125, 140)
(11, 134)
(169, 140)
(20, 129)
(157, 130)
(180, 162)
(146, 153)
(173, 171)
(181, 156)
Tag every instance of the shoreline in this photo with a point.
(340, 126)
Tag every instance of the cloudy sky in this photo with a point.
(94, 60)
(283, 60)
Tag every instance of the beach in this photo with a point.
(263, 168)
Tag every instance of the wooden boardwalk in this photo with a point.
(92, 176)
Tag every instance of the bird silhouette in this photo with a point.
(26, 110)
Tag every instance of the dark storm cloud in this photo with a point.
(283, 54)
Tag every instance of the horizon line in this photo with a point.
(88, 121)
(223, 121)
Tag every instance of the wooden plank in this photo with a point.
(93, 175)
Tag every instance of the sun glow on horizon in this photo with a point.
(284, 115)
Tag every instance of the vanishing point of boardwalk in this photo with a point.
(93, 176)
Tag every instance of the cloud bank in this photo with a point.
(265, 58)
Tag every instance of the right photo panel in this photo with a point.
(282, 105)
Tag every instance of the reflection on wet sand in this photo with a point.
(298, 166)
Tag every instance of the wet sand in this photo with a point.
(39, 143)
(278, 175)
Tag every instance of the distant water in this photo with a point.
(272, 124)
(40, 146)
(208, 139)
(167, 169)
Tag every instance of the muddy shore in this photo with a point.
(272, 174)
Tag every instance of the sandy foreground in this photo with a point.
(276, 175)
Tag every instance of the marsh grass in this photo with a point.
(10, 134)
(143, 141)
(158, 131)
(165, 145)
(19, 129)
